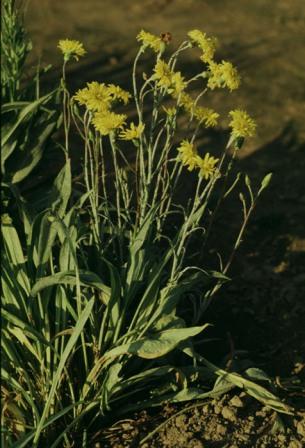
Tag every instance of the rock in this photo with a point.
(205, 409)
(236, 402)
(221, 429)
(196, 444)
(228, 414)
(217, 409)
(301, 428)
(295, 444)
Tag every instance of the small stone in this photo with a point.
(301, 428)
(196, 444)
(236, 402)
(205, 409)
(228, 414)
(295, 444)
(260, 413)
(217, 409)
(221, 429)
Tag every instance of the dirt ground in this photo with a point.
(261, 313)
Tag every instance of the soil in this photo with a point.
(258, 317)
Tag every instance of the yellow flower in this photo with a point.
(172, 81)
(106, 122)
(151, 41)
(223, 75)
(242, 124)
(207, 44)
(71, 48)
(133, 132)
(188, 154)
(206, 166)
(118, 93)
(177, 84)
(206, 115)
(95, 96)
(163, 74)
(186, 101)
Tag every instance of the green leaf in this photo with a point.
(34, 150)
(255, 390)
(25, 114)
(61, 191)
(62, 363)
(87, 278)
(15, 255)
(111, 379)
(110, 326)
(257, 374)
(156, 345)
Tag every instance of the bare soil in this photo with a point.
(259, 318)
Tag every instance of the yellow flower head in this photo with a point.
(71, 48)
(172, 81)
(208, 116)
(151, 41)
(223, 75)
(106, 122)
(187, 102)
(133, 132)
(188, 154)
(242, 124)
(177, 84)
(206, 166)
(207, 44)
(118, 94)
(95, 96)
(163, 74)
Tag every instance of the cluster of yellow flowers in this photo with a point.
(99, 98)
(71, 48)
(151, 41)
(207, 44)
(222, 74)
(168, 79)
(189, 157)
(242, 124)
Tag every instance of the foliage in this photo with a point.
(28, 119)
(91, 284)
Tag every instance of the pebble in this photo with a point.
(205, 408)
(196, 444)
(236, 402)
(228, 414)
(301, 428)
(221, 430)
(295, 444)
(217, 409)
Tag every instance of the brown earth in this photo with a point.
(260, 315)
